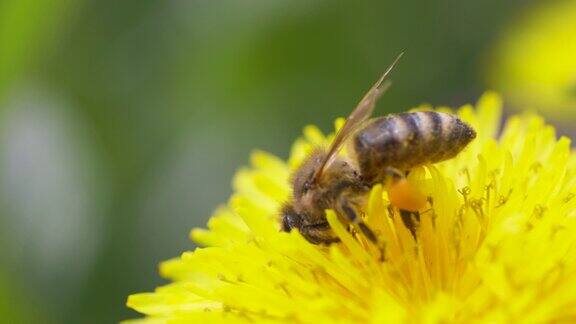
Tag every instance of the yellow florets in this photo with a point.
(498, 244)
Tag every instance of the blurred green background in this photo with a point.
(123, 121)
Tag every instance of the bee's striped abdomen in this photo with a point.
(404, 141)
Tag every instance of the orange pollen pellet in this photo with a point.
(405, 196)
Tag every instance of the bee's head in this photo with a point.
(290, 219)
(312, 195)
(316, 233)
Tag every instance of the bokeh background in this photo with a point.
(122, 122)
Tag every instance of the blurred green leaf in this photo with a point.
(28, 29)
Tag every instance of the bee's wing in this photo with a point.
(360, 114)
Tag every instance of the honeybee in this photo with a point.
(383, 150)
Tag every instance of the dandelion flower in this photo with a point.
(498, 243)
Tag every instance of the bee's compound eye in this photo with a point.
(291, 220)
(307, 185)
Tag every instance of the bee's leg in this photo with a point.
(353, 218)
(410, 220)
(319, 233)
(351, 215)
